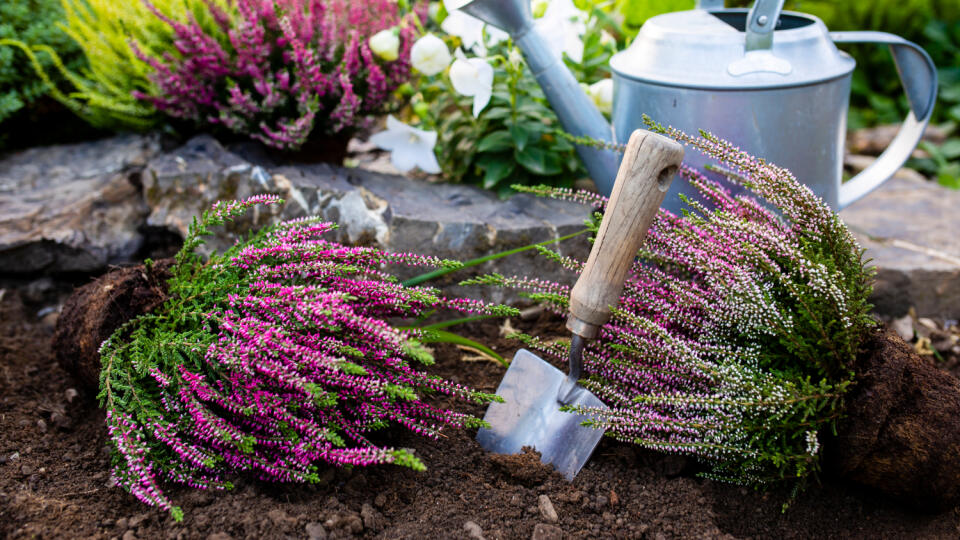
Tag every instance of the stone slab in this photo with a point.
(911, 230)
(72, 208)
(392, 212)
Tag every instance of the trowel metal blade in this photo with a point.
(530, 415)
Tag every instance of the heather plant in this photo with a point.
(274, 358)
(734, 336)
(279, 71)
(109, 34)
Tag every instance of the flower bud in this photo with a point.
(429, 55)
(601, 92)
(385, 44)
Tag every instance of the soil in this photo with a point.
(55, 477)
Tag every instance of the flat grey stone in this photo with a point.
(391, 212)
(911, 230)
(71, 208)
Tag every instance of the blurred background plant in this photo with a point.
(512, 140)
(277, 72)
(22, 93)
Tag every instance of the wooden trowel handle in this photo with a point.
(649, 164)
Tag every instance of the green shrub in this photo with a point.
(35, 22)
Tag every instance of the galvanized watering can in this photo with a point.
(772, 83)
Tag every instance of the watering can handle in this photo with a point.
(918, 75)
(649, 164)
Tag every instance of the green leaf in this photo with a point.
(496, 141)
(538, 161)
(520, 136)
(495, 168)
(951, 148)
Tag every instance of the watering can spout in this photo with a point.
(577, 113)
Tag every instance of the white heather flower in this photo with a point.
(563, 26)
(429, 55)
(601, 92)
(385, 44)
(409, 147)
(472, 77)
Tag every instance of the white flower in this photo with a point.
(472, 77)
(466, 27)
(385, 44)
(429, 55)
(409, 147)
(470, 30)
(601, 92)
(563, 25)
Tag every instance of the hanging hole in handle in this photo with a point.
(666, 177)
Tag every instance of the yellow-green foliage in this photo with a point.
(109, 32)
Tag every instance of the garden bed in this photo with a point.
(55, 477)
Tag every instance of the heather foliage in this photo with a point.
(108, 33)
(273, 358)
(279, 70)
(735, 333)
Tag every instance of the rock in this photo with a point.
(900, 432)
(122, 523)
(372, 519)
(95, 310)
(72, 208)
(138, 519)
(473, 530)
(219, 536)
(906, 228)
(129, 535)
(903, 327)
(875, 140)
(395, 213)
(547, 510)
(543, 531)
(315, 531)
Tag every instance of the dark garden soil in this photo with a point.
(55, 478)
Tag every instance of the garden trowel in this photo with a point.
(533, 391)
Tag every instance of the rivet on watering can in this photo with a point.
(762, 20)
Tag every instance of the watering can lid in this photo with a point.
(706, 49)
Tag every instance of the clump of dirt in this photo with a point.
(55, 478)
(97, 309)
(901, 428)
(524, 468)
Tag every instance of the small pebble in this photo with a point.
(547, 510)
(315, 531)
(473, 530)
(546, 532)
(129, 535)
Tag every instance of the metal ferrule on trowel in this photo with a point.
(533, 390)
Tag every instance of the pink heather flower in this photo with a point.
(276, 358)
(278, 71)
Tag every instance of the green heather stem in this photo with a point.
(416, 280)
